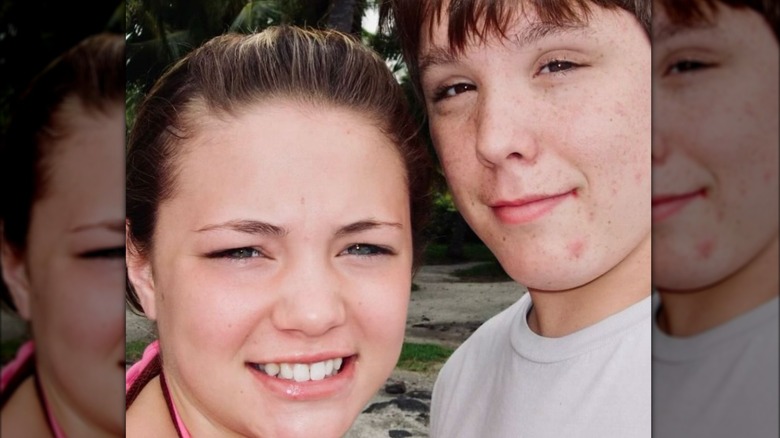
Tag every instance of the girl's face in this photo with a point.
(70, 281)
(281, 270)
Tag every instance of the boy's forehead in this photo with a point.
(521, 28)
(521, 24)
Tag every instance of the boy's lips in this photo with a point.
(665, 206)
(528, 208)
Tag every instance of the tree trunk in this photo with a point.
(341, 16)
(455, 247)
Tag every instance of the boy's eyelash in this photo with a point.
(441, 93)
(561, 66)
(688, 66)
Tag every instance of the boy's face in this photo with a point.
(715, 153)
(544, 137)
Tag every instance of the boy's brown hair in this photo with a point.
(483, 18)
(692, 11)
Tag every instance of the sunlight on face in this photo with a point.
(715, 151)
(75, 264)
(285, 249)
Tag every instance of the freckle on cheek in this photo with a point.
(705, 248)
(576, 248)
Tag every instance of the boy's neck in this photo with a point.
(559, 313)
(688, 313)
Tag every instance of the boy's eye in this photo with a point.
(117, 252)
(687, 66)
(448, 91)
(557, 66)
(237, 253)
(365, 249)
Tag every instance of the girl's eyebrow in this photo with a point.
(110, 225)
(370, 224)
(248, 226)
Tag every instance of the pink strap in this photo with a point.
(151, 351)
(12, 368)
(23, 355)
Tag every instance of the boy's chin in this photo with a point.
(557, 276)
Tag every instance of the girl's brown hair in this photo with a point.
(91, 74)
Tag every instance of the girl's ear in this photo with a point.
(15, 274)
(139, 273)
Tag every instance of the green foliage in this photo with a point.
(436, 254)
(422, 357)
(8, 349)
(490, 272)
(134, 350)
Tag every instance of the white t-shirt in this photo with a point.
(507, 381)
(721, 383)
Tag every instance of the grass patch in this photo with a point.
(8, 349)
(436, 254)
(134, 350)
(422, 357)
(490, 272)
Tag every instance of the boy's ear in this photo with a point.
(139, 273)
(14, 271)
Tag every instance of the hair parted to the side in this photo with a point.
(693, 11)
(231, 72)
(88, 77)
(479, 19)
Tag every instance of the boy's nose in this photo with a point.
(504, 133)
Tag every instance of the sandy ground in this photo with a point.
(443, 311)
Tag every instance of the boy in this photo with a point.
(540, 116)
(715, 218)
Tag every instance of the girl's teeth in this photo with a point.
(301, 372)
(286, 371)
(317, 371)
(272, 369)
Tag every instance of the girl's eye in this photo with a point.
(687, 66)
(117, 252)
(447, 91)
(236, 254)
(366, 250)
(557, 66)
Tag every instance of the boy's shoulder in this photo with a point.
(490, 340)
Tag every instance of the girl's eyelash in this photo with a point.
(367, 250)
(104, 253)
(236, 253)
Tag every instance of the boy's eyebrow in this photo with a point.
(666, 31)
(357, 227)
(247, 226)
(530, 34)
(539, 30)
